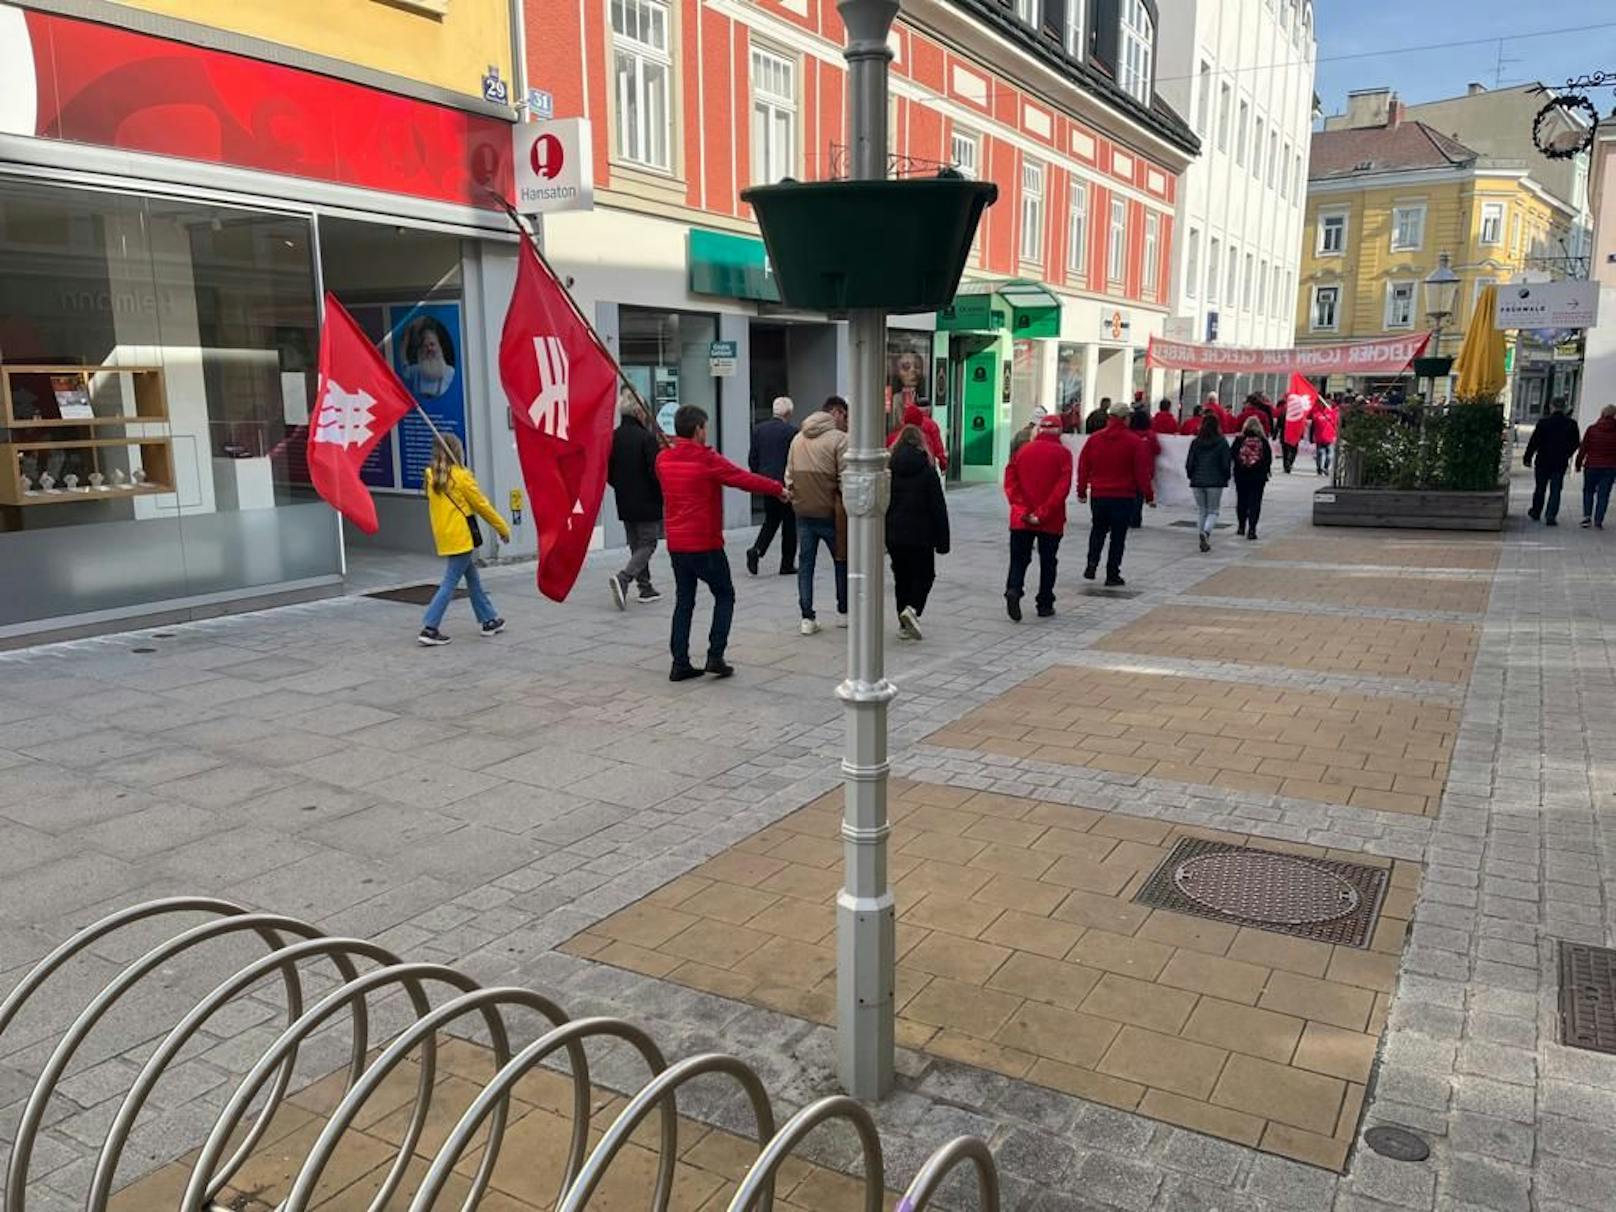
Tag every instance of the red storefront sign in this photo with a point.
(112, 87)
(1389, 356)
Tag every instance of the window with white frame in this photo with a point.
(1247, 282)
(1032, 211)
(1492, 223)
(1332, 240)
(1285, 172)
(1116, 250)
(1231, 285)
(1214, 267)
(1027, 12)
(1408, 228)
(1192, 263)
(1273, 156)
(1400, 304)
(1137, 44)
(642, 64)
(1262, 288)
(1077, 230)
(1240, 133)
(1225, 102)
(1257, 149)
(1326, 307)
(1152, 270)
(1203, 100)
(1076, 29)
(962, 152)
(1514, 235)
(774, 117)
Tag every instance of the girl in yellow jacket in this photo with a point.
(455, 502)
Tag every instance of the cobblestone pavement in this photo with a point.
(484, 803)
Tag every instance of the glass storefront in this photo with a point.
(667, 356)
(157, 359)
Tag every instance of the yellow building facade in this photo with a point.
(448, 44)
(1377, 225)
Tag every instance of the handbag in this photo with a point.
(471, 525)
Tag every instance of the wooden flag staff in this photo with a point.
(521, 226)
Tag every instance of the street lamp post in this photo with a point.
(1441, 291)
(865, 916)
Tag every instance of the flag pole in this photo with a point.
(645, 409)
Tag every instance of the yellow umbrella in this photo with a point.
(1481, 358)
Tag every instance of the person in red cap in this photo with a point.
(1115, 467)
(1036, 480)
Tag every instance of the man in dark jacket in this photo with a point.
(771, 441)
(631, 471)
(1096, 419)
(1554, 440)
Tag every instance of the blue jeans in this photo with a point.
(455, 567)
(1596, 483)
(712, 569)
(810, 533)
(1207, 501)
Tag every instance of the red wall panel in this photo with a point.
(715, 59)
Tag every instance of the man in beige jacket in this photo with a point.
(814, 479)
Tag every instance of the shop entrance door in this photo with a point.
(979, 404)
(969, 356)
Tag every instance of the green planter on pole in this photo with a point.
(898, 245)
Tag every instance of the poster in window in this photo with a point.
(908, 369)
(426, 345)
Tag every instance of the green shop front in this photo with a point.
(990, 353)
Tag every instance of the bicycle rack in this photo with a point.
(212, 1169)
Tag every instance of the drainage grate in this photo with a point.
(1587, 997)
(413, 595)
(1332, 902)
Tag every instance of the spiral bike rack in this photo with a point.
(291, 943)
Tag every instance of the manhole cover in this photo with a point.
(1399, 1144)
(1332, 902)
(1274, 888)
(1587, 997)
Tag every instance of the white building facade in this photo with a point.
(1241, 72)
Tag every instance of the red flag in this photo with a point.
(562, 390)
(359, 400)
(1299, 402)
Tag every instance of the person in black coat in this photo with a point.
(1253, 463)
(1097, 419)
(1554, 440)
(917, 527)
(631, 471)
(771, 442)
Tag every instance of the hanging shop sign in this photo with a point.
(1548, 305)
(554, 166)
(1386, 357)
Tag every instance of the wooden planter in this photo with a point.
(1393, 508)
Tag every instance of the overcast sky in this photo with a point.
(1376, 28)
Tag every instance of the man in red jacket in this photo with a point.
(914, 415)
(693, 476)
(1115, 467)
(1596, 459)
(1164, 421)
(1036, 481)
(1190, 425)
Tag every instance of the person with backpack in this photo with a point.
(1253, 463)
(1209, 465)
(917, 526)
(454, 503)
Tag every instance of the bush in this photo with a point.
(1456, 447)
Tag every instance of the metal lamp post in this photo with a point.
(1441, 291)
(865, 913)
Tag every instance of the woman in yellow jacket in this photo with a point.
(454, 502)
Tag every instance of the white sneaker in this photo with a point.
(841, 621)
(809, 627)
(909, 624)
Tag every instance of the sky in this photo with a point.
(1375, 29)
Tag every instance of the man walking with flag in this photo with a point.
(693, 477)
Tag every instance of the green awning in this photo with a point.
(1030, 309)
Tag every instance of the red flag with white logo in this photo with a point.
(1299, 402)
(562, 390)
(359, 400)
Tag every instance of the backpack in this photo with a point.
(1251, 452)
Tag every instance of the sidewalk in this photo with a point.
(504, 805)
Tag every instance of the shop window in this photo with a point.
(774, 117)
(665, 354)
(643, 67)
(1152, 270)
(1069, 370)
(160, 360)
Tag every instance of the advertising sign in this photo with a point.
(722, 357)
(554, 166)
(1548, 305)
(1115, 324)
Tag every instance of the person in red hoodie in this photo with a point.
(1325, 422)
(1190, 425)
(693, 476)
(1251, 410)
(1596, 459)
(1115, 468)
(1164, 421)
(914, 415)
(1036, 480)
